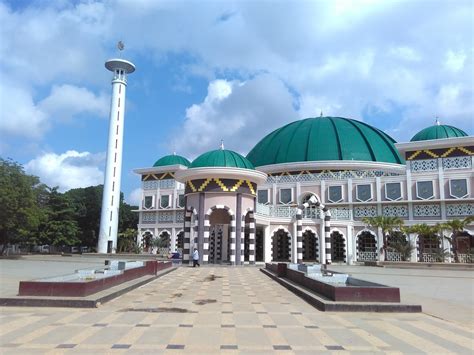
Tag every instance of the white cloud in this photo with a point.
(240, 113)
(455, 60)
(21, 116)
(66, 101)
(68, 170)
(135, 197)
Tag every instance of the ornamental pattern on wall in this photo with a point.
(165, 216)
(460, 209)
(150, 185)
(148, 217)
(180, 216)
(395, 211)
(365, 211)
(457, 163)
(426, 211)
(418, 166)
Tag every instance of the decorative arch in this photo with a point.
(281, 244)
(188, 216)
(366, 245)
(327, 228)
(338, 245)
(207, 225)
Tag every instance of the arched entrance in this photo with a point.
(429, 248)
(310, 246)
(164, 243)
(398, 247)
(338, 246)
(147, 241)
(281, 248)
(219, 236)
(463, 243)
(366, 246)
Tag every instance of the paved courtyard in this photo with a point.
(223, 309)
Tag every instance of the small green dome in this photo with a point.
(325, 138)
(172, 159)
(221, 158)
(438, 131)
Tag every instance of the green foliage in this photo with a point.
(400, 244)
(387, 224)
(60, 227)
(126, 242)
(32, 213)
(20, 197)
(87, 203)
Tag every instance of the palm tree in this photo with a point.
(455, 226)
(386, 224)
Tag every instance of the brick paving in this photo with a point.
(222, 310)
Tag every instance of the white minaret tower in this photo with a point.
(113, 169)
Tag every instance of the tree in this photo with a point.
(386, 224)
(455, 226)
(87, 203)
(400, 244)
(20, 197)
(127, 242)
(127, 218)
(61, 227)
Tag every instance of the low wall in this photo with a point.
(86, 288)
(356, 291)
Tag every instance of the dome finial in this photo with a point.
(437, 121)
(321, 114)
(222, 144)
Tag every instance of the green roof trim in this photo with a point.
(222, 158)
(325, 138)
(438, 132)
(172, 160)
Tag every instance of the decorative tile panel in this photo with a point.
(329, 175)
(150, 185)
(457, 163)
(395, 211)
(426, 211)
(419, 166)
(148, 217)
(394, 256)
(366, 256)
(180, 216)
(460, 210)
(365, 211)
(167, 183)
(165, 216)
(340, 213)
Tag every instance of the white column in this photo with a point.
(267, 244)
(349, 245)
(322, 242)
(173, 239)
(113, 168)
(293, 243)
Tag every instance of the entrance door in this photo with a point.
(219, 243)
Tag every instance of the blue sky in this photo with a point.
(232, 70)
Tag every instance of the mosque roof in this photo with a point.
(438, 131)
(325, 139)
(222, 158)
(172, 159)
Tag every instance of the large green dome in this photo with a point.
(438, 131)
(172, 160)
(221, 158)
(325, 138)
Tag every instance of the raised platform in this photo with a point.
(357, 296)
(91, 301)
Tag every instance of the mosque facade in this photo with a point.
(302, 193)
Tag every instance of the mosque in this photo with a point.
(302, 192)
